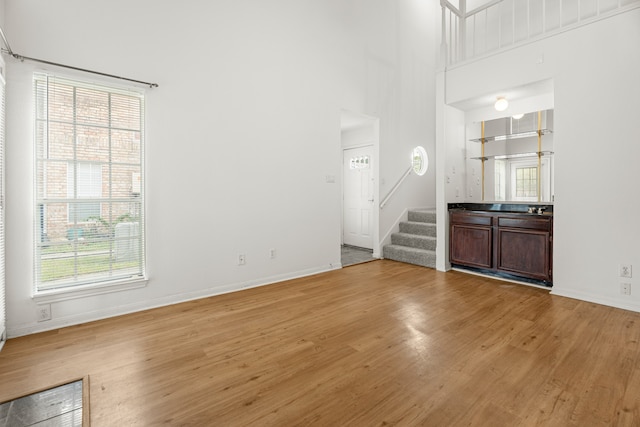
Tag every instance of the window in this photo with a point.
(87, 186)
(89, 210)
(360, 162)
(522, 180)
(419, 161)
(526, 182)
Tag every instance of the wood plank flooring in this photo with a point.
(381, 343)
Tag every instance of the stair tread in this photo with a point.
(417, 236)
(410, 249)
(418, 224)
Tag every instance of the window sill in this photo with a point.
(56, 295)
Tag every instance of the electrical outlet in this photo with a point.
(44, 312)
(272, 253)
(625, 288)
(242, 259)
(625, 270)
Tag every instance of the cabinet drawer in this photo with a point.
(529, 223)
(469, 218)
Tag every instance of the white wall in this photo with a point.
(240, 134)
(365, 134)
(400, 57)
(595, 72)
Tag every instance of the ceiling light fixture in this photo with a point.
(518, 116)
(501, 104)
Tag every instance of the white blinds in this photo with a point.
(3, 316)
(89, 207)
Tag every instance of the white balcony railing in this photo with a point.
(503, 23)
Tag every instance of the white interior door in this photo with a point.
(358, 197)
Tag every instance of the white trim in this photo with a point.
(3, 228)
(70, 292)
(56, 323)
(597, 299)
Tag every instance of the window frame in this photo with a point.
(110, 280)
(513, 164)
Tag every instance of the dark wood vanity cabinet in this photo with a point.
(523, 246)
(510, 244)
(471, 241)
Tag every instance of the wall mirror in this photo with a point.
(514, 155)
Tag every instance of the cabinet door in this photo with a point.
(470, 245)
(524, 252)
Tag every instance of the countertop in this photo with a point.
(520, 208)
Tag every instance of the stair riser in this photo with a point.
(420, 216)
(422, 229)
(413, 241)
(396, 254)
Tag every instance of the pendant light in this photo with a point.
(501, 104)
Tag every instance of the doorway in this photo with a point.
(360, 188)
(358, 199)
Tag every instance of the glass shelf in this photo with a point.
(513, 156)
(513, 136)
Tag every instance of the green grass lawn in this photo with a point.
(71, 259)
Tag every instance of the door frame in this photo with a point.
(351, 123)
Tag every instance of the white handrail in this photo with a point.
(451, 7)
(395, 187)
(482, 8)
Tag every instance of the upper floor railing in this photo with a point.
(503, 23)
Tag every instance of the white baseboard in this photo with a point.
(597, 299)
(61, 322)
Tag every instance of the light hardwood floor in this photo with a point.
(382, 343)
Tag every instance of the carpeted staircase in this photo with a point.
(416, 241)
